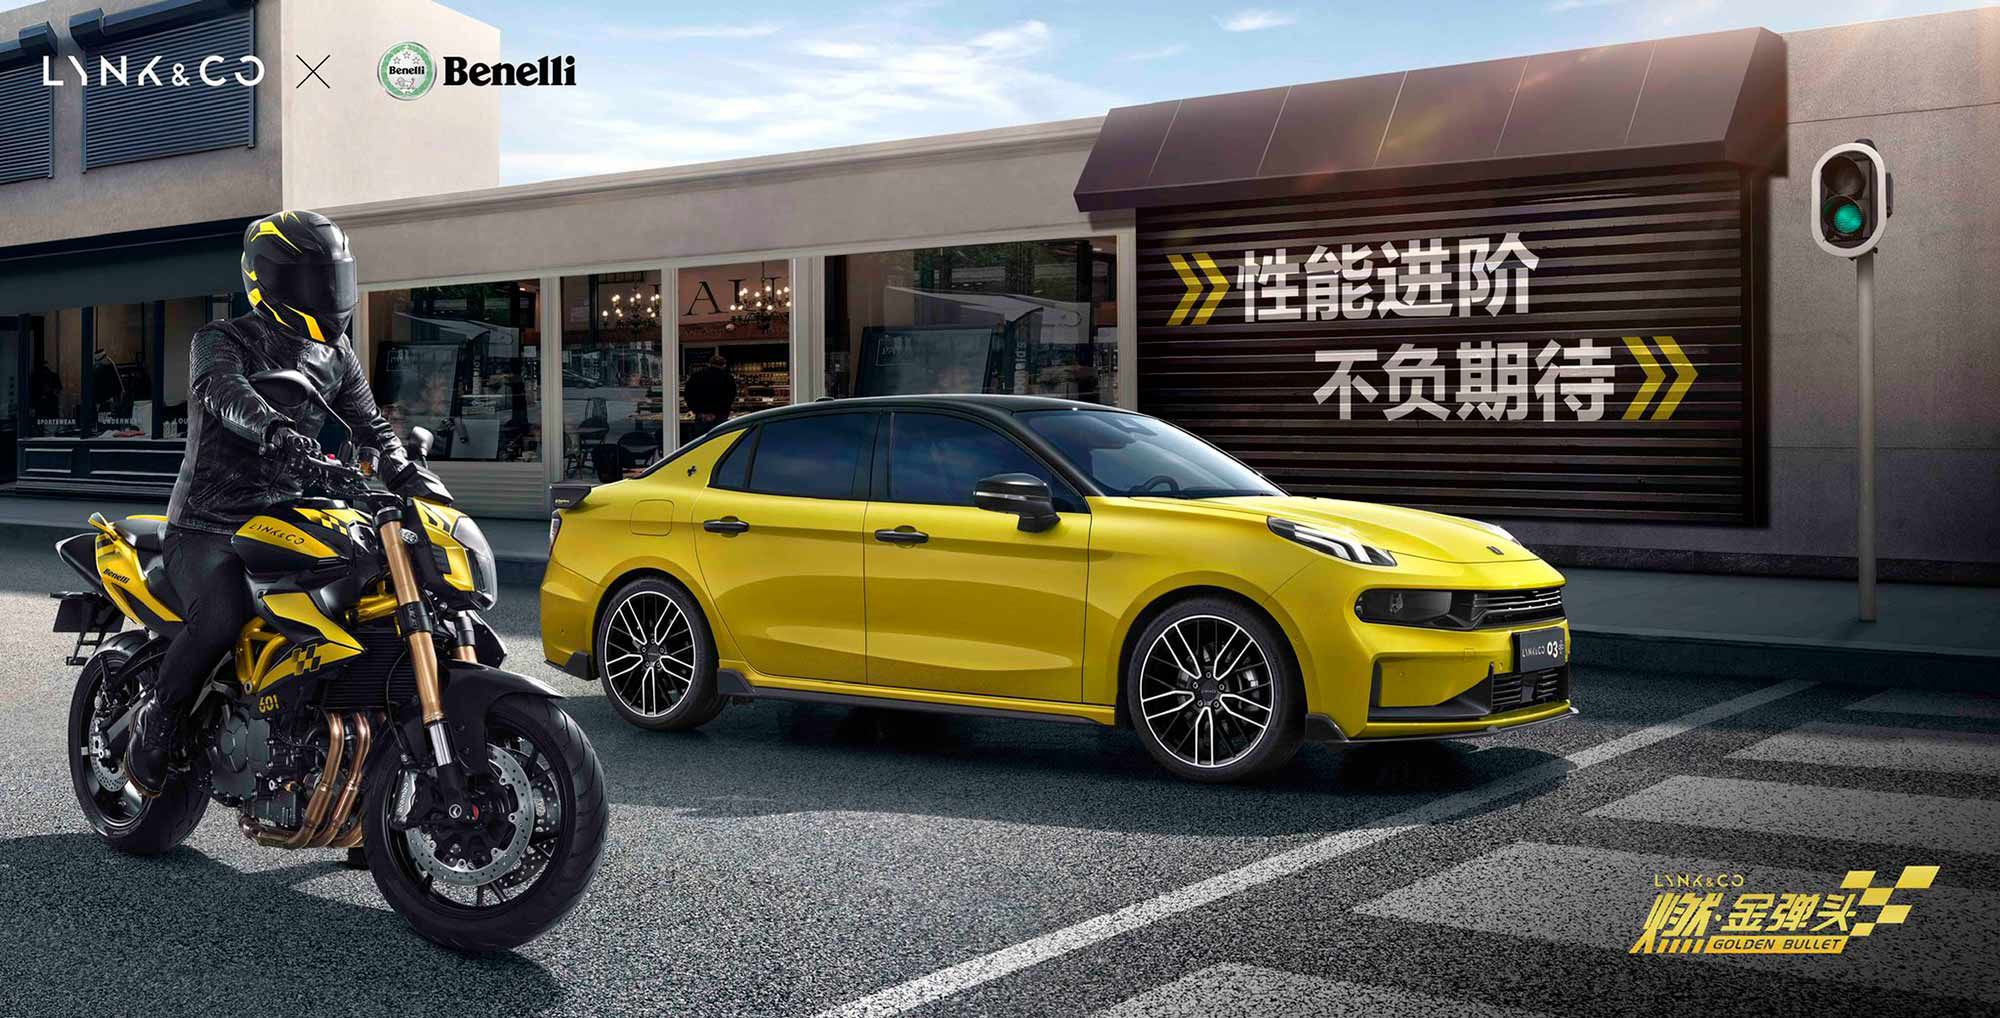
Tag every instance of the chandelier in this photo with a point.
(759, 308)
(631, 309)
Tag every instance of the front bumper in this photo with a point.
(1368, 681)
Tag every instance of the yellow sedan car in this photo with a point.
(1026, 557)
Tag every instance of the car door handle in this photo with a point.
(725, 525)
(902, 535)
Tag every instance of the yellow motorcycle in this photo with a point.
(363, 706)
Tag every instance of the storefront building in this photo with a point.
(123, 200)
(1570, 292)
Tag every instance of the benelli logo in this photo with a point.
(210, 71)
(116, 575)
(407, 71)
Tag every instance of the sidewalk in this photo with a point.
(1928, 636)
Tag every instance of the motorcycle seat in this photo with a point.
(146, 533)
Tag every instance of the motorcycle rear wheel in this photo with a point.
(564, 805)
(111, 805)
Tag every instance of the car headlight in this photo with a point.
(1340, 545)
(1403, 607)
(1497, 529)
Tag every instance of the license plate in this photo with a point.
(1539, 649)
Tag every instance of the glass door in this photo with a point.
(735, 342)
(613, 393)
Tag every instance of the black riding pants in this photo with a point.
(215, 602)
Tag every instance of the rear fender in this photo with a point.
(470, 690)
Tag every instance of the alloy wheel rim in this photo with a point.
(1206, 691)
(649, 654)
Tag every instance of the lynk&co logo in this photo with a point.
(407, 71)
(212, 71)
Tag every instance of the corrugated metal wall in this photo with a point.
(27, 124)
(1619, 262)
(129, 122)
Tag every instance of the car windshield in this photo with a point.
(1130, 454)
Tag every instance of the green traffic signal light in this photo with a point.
(1846, 216)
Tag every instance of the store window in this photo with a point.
(736, 342)
(1030, 317)
(612, 361)
(113, 371)
(463, 360)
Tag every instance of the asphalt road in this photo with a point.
(802, 860)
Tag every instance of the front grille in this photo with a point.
(1490, 609)
(381, 674)
(1526, 689)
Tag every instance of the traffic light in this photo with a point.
(1853, 199)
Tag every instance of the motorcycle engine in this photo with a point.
(256, 763)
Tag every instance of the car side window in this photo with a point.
(808, 457)
(734, 470)
(936, 459)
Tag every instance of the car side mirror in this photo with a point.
(1023, 495)
(421, 441)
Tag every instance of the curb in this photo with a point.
(1891, 665)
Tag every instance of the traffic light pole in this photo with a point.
(1864, 276)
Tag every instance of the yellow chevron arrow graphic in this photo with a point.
(1654, 376)
(1684, 376)
(1215, 279)
(1193, 289)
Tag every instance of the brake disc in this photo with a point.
(423, 847)
(110, 779)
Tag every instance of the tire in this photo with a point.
(577, 780)
(149, 826)
(1206, 728)
(665, 681)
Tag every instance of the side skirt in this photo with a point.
(730, 682)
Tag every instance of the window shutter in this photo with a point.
(129, 122)
(27, 124)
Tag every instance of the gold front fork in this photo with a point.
(423, 652)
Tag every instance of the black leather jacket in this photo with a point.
(225, 477)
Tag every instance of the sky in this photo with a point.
(673, 83)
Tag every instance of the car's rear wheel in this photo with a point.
(1213, 693)
(656, 657)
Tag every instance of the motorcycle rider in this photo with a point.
(244, 455)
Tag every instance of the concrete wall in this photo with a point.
(353, 142)
(1011, 179)
(200, 187)
(315, 146)
(1927, 90)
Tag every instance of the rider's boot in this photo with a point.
(156, 732)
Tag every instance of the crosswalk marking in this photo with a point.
(1927, 701)
(1254, 990)
(1598, 898)
(1848, 814)
(1905, 749)
(965, 975)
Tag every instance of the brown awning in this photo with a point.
(1695, 99)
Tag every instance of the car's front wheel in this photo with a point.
(1213, 693)
(656, 657)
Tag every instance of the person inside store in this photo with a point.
(710, 393)
(244, 455)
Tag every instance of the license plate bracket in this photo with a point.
(1538, 649)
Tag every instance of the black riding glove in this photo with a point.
(291, 448)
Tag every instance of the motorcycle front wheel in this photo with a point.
(503, 880)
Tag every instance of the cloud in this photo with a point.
(1255, 20)
(732, 102)
(675, 32)
(1560, 6)
(1160, 53)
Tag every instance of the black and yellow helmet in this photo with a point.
(299, 275)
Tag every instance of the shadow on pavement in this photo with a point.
(770, 758)
(89, 931)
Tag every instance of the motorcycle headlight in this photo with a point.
(1343, 546)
